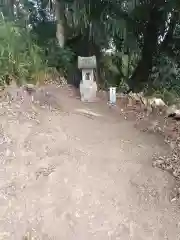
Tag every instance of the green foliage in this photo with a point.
(165, 79)
(44, 33)
(20, 57)
(57, 57)
(117, 68)
(166, 74)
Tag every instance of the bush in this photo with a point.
(59, 58)
(117, 68)
(165, 80)
(20, 57)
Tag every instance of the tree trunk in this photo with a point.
(141, 73)
(11, 9)
(59, 13)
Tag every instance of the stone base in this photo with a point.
(88, 92)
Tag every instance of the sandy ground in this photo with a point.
(67, 174)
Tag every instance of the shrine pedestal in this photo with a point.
(88, 92)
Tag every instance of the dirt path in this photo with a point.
(68, 175)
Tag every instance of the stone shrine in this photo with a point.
(88, 86)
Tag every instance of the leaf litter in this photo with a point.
(157, 123)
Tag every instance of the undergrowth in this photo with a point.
(164, 78)
(20, 58)
(23, 60)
